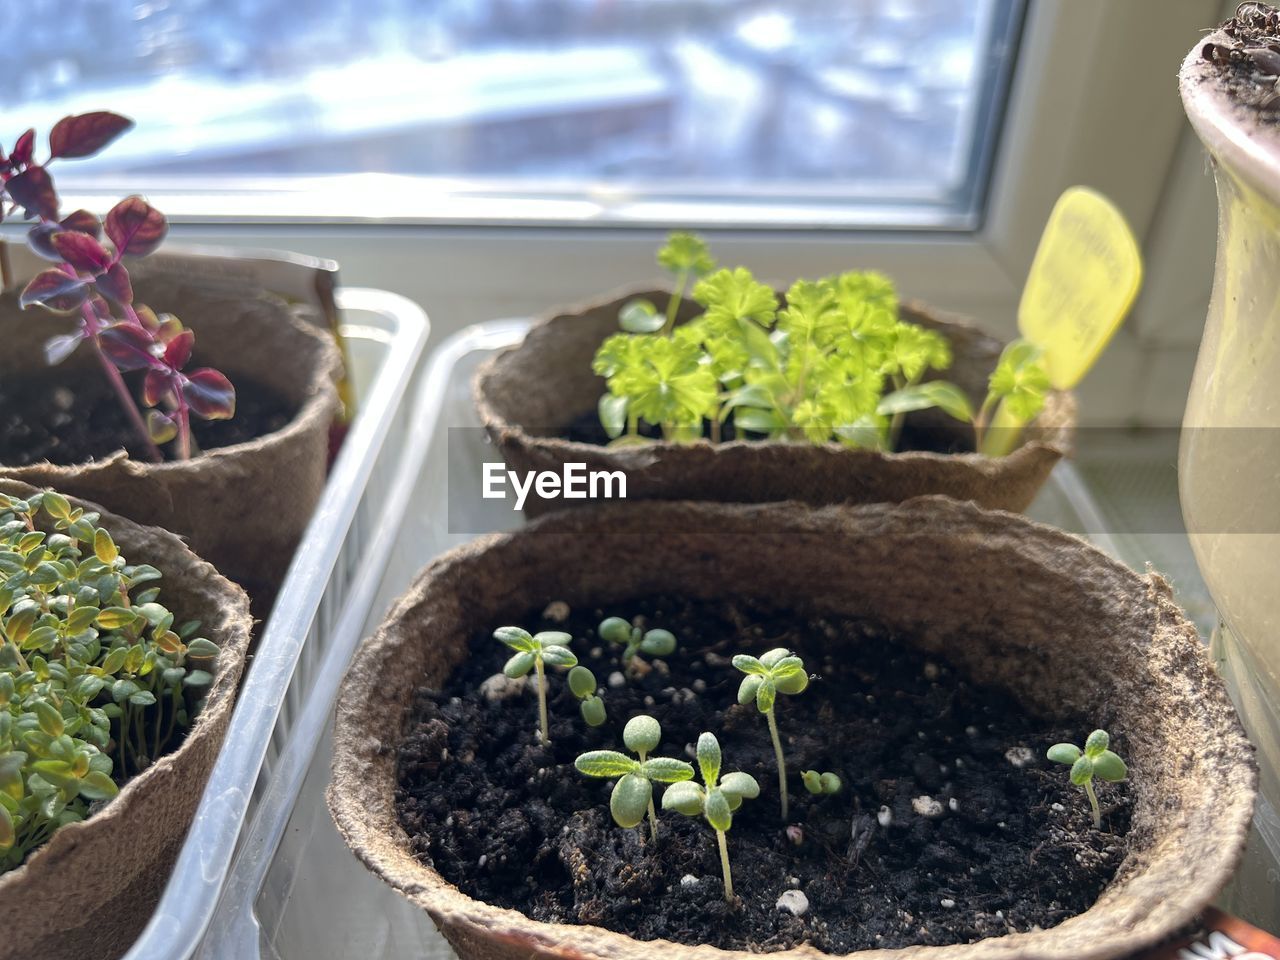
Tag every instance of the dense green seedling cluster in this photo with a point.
(96, 680)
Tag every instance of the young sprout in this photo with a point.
(656, 643)
(1095, 760)
(775, 672)
(717, 800)
(533, 652)
(632, 795)
(820, 783)
(582, 684)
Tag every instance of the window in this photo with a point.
(784, 112)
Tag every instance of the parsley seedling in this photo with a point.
(533, 652)
(633, 640)
(1094, 760)
(717, 800)
(775, 672)
(1018, 388)
(632, 795)
(582, 684)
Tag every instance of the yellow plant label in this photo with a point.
(1084, 278)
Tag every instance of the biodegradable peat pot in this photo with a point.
(1012, 604)
(528, 397)
(1229, 458)
(243, 507)
(89, 891)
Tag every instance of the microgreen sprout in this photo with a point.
(1095, 760)
(717, 800)
(775, 672)
(582, 684)
(1016, 393)
(533, 652)
(633, 640)
(821, 783)
(632, 795)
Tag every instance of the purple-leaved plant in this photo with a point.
(90, 279)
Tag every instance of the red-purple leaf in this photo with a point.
(32, 189)
(135, 227)
(57, 349)
(162, 428)
(24, 149)
(82, 221)
(115, 284)
(85, 134)
(156, 385)
(210, 394)
(167, 327)
(81, 251)
(128, 346)
(40, 240)
(54, 290)
(178, 350)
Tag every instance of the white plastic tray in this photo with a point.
(295, 891)
(385, 336)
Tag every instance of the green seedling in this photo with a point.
(632, 795)
(633, 640)
(1094, 760)
(717, 800)
(582, 684)
(821, 783)
(534, 652)
(775, 672)
(1016, 393)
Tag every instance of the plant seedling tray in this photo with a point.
(295, 890)
(384, 335)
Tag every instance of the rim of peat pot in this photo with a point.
(1039, 610)
(88, 892)
(1232, 131)
(229, 502)
(523, 408)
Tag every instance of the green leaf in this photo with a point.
(56, 505)
(658, 643)
(1098, 742)
(614, 630)
(709, 758)
(49, 717)
(771, 658)
(143, 698)
(582, 682)
(606, 764)
(1020, 380)
(790, 679)
(749, 664)
(104, 547)
(1110, 767)
(515, 638)
(640, 316)
(593, 712)
(116, 618)
(552, 638)
(683, 797)
(686, 252)
(748, 689)
(666, 770)
(740, 784)
(758, 421)
(519, 665)
(717, 810)
(831, 783)
(766, 694)
(96, 785)
(57, 772)
(923, 396)
(642, 734)
(1082, 771)
(629, 801)
(11, 784)
(8, 835)
(559, 656)
(812, 781)
(613, 414)
(81, 618)
(1067, 753)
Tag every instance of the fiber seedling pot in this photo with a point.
(89, 891)
(244, 506)
(1017, 607)
(529, 396)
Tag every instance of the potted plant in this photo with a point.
(721, 389)
(916, 674)
(120, 652)
(193, 424)
(1228, 458)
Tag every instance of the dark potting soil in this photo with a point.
(1249, 64)
(915, 435)
(68, 419)
(951, 825)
